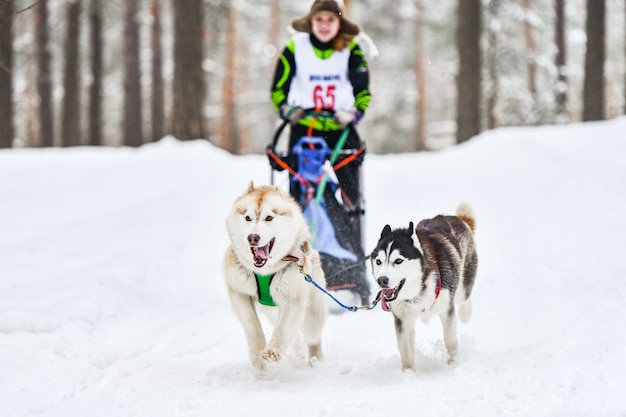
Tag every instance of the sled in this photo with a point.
(326, 182)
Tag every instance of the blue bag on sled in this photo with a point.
(311, 153)
(324, 178)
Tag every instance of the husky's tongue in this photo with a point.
(262, 253)
(389, 294)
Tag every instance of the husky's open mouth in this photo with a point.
(390, 294)
(262, 253)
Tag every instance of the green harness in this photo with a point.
(263, 283)
(263, 288)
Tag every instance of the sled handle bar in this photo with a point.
(323, 113)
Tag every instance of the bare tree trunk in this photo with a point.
(274, 39)
(6, 73)
(492, 66)
(133, 122)
(230, 130)
(469, 77)
(158, 112)
(44, 76)
(420, 77)
(561, 63)
(275, 23)
(242, 83)
(593, 96)
(189, 86)
(32, 118)
(95, 90)
(70, 119)
(531, 50)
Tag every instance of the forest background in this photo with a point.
(128, 72)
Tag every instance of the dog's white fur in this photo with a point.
(259, 216)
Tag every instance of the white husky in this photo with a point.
(265, 268)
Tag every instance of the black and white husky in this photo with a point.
(426, 270)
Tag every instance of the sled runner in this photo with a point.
(323, 172)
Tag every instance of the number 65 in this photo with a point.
(324, 100)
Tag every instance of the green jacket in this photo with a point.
(358, 73)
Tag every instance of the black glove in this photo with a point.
(291, 113)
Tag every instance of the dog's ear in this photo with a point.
(386, 231)
(411, 228)
(250, 186)
(416, 239)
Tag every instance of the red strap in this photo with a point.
(284, 165)
(349, 159)
(309, 131)
(340, 287)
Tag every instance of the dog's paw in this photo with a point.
(408, 368)
(315, 352)
(270, 355)
(312, 361)
(451, 349)
(259, 364)
(257, 361)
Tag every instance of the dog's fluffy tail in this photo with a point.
(465, 212)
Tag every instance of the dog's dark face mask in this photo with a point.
(394, 259)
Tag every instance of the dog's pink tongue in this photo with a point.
(261, 253)
(386, 294)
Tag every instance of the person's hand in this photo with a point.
(292, 113)
(345, 117)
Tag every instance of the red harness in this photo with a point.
(438, 287)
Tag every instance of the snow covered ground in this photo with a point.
(112, 301)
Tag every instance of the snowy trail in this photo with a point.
(112, 301)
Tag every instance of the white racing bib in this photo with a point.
(320, 83)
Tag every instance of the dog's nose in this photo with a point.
(254, 239)
(383, 282)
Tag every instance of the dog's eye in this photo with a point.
(378, 262)
(248, 218)
(398, 261)
(269, 218)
